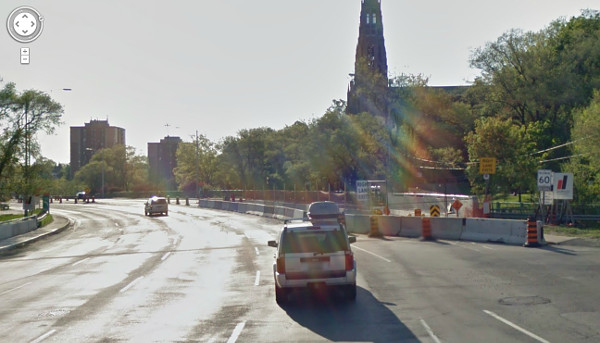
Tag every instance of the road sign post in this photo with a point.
(544, 184)
(487, 165)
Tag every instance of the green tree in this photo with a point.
(585, 165)
(540, 77)
(22, 116)
(511, 145)
(196, 164)
(117, 169)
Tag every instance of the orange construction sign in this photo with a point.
(457, 205)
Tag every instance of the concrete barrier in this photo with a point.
(411, 227)
(357, 223)
(446, 228)
(298, 213)
(495, 230)
(17, 227)
(469, 229)
(268, 211)
(390, 226)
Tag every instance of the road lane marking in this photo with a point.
(236, 332)
(117, 224)
(175, 241)
(485, 246)
(131, 284)
(516, 327)
(463, 246)
(165, 256)
(14, 289)
(257, 252)
(374, 254)
(44, 336)
(430, 332)
(80, 261)
(257, 280)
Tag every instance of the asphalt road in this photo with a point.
(205, 276)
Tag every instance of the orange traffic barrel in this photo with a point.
(426, 227)
(417, 212)
(532, 235)
(374, 227)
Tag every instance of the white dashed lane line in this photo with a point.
(80, 261)
(131, 284)
(236, 332)
(44, 336)
(430, 332)
(371, 253)
(257, 252)
(165, 256)
(257, 280)
(14, 289)
(515, 326)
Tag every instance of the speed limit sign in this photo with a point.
(544, 180)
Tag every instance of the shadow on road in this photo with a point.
(337, 319)
(560, 250)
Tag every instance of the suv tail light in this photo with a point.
(281, 265)
(349, 260)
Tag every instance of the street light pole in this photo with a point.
(26, 201)
(197, 167)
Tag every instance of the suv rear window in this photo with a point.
(159, 201)
(313, 241)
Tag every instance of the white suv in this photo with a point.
(314, 254)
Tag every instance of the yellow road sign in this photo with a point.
(434, 211)
(487, 165)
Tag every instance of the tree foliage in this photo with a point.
(22, 116)
(117, 168)
(196, 164)
(538, 80)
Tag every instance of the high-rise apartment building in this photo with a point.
(94, 136)
(162, 160)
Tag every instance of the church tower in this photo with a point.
(368, 89)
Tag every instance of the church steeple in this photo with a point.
(371, 44)
(368, 89)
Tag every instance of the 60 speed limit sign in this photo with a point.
(544, 180)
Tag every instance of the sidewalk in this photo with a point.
(574, 241)
(59, 224)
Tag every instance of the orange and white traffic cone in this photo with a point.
(426, 229)
(532, 235)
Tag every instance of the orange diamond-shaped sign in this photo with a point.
(457, 204)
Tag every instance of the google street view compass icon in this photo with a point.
(25, 24)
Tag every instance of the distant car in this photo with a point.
(80, 195)
(156, 205)
(314, 254)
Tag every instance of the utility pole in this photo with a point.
(197, 166)
(26, 201)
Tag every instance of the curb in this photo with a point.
(5, 249)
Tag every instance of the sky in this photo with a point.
(171, 68)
